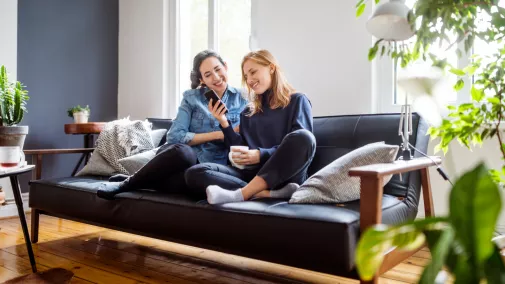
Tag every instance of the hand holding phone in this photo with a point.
(218, 110)
(210, 94)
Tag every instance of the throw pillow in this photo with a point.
(134, 163)
(332, 184)
(123, 138)
(157, 135)
(97, 165)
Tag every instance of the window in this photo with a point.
(222, 25)
(234, 32)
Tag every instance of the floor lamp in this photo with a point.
(389, 22)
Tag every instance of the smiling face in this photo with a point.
(258, 77)
(214, 74)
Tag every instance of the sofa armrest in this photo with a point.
(372, 188)
(38, 153)
(371, 199)
(380, 170)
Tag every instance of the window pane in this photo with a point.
(194, 23)
(234, 31)
(486, 48)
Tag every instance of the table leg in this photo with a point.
(78, 164)
(19, 203)
(88, 143)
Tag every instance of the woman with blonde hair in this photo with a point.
(276, 127)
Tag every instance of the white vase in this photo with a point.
(81, 117)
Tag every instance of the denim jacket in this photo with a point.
(194, 117)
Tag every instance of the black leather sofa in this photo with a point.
(319, 237)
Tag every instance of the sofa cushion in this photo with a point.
(332, 184)
(319, 237)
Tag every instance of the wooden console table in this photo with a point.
(88, 130)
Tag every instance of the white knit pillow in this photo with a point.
(332, 184)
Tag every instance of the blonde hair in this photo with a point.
(281, 89)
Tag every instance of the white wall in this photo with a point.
(322, 48)
(140, 90)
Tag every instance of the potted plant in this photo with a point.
(13, 99)
(80, 114)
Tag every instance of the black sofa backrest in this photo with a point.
(338, 135)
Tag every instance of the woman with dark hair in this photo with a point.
(275, 134)
(195, 136)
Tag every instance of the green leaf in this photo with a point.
(475, 204)
(408, 237)
(440, 244)
(370, 251)
(477, 95)
(495, 268)
(459, 85)
(458, 72)
(360, 10)
(372, 52)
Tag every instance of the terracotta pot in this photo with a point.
(13, 135)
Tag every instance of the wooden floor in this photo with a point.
(98, 255)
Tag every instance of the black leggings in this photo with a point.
(165, 172)
(289, 163)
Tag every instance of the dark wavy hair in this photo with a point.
(196, 75)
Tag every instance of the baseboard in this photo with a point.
(9, 209)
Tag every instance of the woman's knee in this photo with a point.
(302, 137)
(181, 153)
(194, 175)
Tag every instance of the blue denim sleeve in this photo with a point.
(179, 132)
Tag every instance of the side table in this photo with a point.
(16, 190)
(88, 130)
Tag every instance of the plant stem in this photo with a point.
(500, 116)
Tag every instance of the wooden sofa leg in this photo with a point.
(371, 208)
(429, 209)
(35, 225)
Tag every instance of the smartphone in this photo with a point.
(210, 94)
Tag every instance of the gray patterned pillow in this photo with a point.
(97, 165)
(157, 135)
(134, 163)
(332, 184)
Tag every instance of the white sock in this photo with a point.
(218, 195)
(284, 192)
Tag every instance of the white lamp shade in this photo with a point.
(427, 87)
(389, 22)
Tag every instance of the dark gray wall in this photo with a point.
(67, 55)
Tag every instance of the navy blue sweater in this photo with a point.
(265, 130)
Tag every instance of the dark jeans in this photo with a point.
(289, 163)
(166, 170)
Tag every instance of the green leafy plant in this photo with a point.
(13, 99)
(433, 21)
(460, 242)
(78, 108)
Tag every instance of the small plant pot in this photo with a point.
(81, 117)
